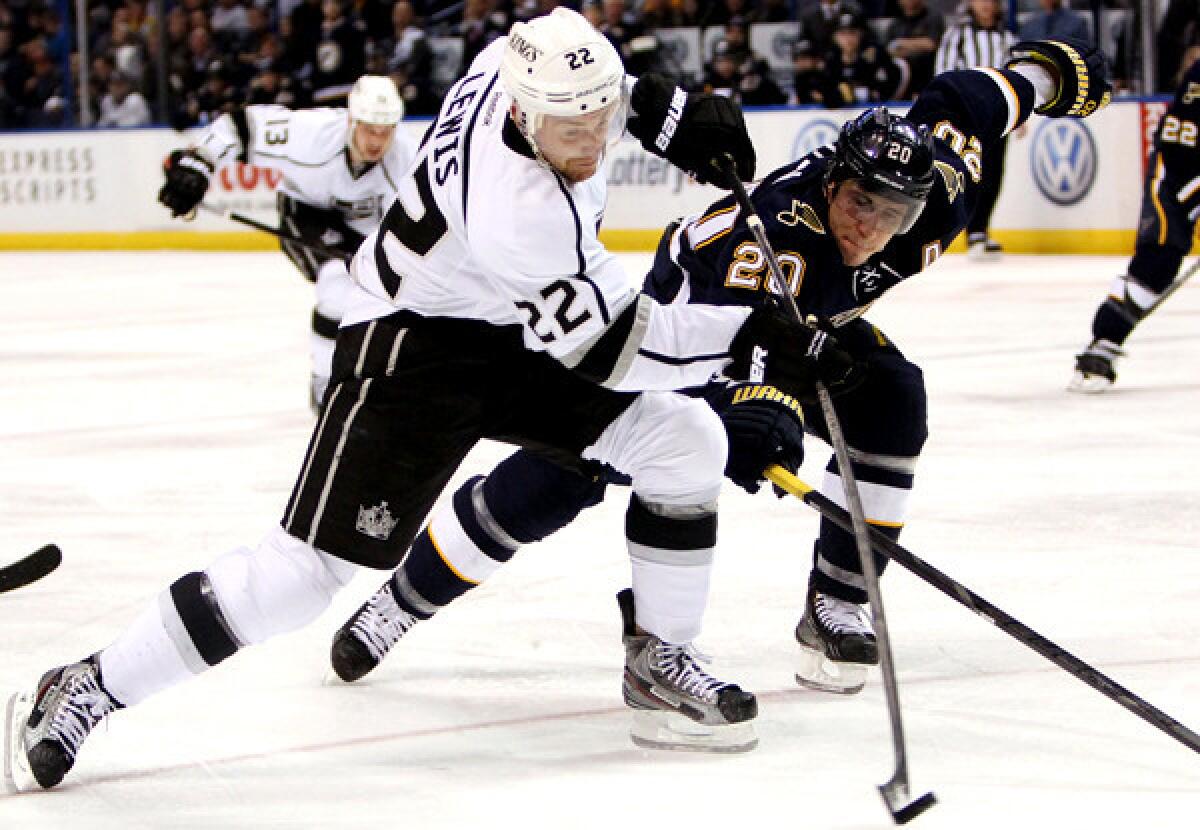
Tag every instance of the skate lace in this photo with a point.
(83, 705)
(840, 616)
(680, 666)
(382, 623)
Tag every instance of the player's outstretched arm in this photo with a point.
(188, 171)
(693, 131)
(1079, 71)
(187, 174)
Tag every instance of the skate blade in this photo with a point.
(656, 729)
(817, 672)
(330, 678)
(1089, 384)
(18, 778)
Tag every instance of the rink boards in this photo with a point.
(1070, 186)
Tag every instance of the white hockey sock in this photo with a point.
(145, 658)
(670, 598)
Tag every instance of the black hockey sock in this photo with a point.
(202, 618)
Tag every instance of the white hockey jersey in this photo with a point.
(308, 147)
(482, 230)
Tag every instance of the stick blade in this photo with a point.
(30, 569)
(905, 813)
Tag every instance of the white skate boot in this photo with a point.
(44, 730)
(677, 704)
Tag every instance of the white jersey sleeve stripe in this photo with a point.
(1010, 98)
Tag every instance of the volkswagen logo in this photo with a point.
(814, 134)
(1064, 161)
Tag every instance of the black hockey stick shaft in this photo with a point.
(279, 233)
(1001, 619)
(30, 569)
(895, 790)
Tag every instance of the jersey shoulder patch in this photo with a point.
(951, 178)
(801, 213)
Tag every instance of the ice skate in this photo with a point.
(1095, 371)
(44, 730)
(677, 704)
(982, 248)
(837, 644)
(361, 644)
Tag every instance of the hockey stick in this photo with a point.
(895, 790)
(1011, 626)
(316, 247)
(30, 569)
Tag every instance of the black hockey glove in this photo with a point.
(692, 131)
(1080, 72)
(187, 182)
(764, 427)
(773, 347)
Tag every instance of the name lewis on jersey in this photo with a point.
(449, 128)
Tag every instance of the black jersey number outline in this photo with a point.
(566, 323)
(419, 236)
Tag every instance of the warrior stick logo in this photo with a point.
(1063, 159)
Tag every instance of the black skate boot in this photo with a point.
(677, 704)
(837, 644)
(361, 644)
(1095, 368)
(46, 730)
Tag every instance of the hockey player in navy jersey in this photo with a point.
(1166, 227)
(848, 223)
(340, 168)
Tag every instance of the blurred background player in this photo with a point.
(861, 72)
(1166, 227)
(977, 40)
(340, 168)
(912, 40)
(849, 223)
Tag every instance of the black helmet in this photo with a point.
(888, 155)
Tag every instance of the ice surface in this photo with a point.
(153, 414)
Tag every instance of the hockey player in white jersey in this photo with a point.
(490, 310)
(340, 168)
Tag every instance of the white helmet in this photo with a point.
(374, 100)
(558, 64)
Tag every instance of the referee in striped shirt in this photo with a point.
(980, 40)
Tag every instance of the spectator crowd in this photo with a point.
(208, 56)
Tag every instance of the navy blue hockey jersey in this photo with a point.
(713, 258)
(1176, 137)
